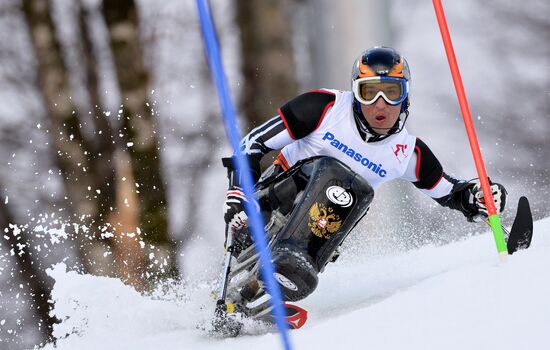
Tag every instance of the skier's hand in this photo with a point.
(477, 199)
(233, 209)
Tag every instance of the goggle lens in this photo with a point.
(370, 89)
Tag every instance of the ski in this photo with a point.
(296, 316)
(228, 320)
(522, 229)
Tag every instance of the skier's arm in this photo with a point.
(267, 137)
(426, 173)
(296, 119)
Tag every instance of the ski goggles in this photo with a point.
(392, 90)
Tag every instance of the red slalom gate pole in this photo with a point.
(494, 219)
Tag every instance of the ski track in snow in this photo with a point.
(456, 296)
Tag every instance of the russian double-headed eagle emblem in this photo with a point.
(323, 221)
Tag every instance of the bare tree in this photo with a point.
(267, 57)
(110, 167)
(71, 148)
(138, 124)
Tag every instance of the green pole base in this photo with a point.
(498, 233)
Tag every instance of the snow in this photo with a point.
(457, 296)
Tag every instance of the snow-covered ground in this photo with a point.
(457, 296)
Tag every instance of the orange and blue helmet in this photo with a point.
(381, 72)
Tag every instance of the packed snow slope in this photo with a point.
(457, 296)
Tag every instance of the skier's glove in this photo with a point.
(476, 200)
(233, 209)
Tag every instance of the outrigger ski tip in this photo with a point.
(225, 321)
(521, 232)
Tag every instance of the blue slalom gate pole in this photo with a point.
(255, 220)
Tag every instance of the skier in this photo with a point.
(352, 142)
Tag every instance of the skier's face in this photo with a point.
(380, 115)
